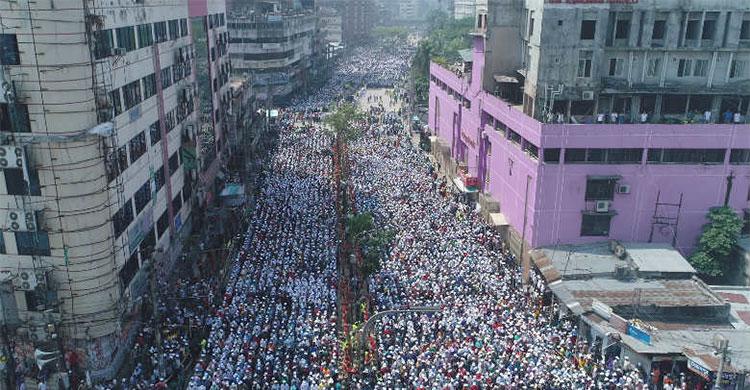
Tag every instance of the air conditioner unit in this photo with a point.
(623, 189)
(25, 280)
(602, 206)
(587, 95)
(11, 157)
(21, 221)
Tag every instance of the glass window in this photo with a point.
(103, 43)
(622, 29)
(126, 38)
(584, 63)
(684, 67)
(145, 35)
(654, 67)
(132, 94)
(162, 224)
(129, 270)
(183, 27)
(174, 163)
(177, 203)
(15, 183)
(116, 101)
(595, 224)
(154, 132)
(686, 156)
(600, 189)
(739, 156)
(149, 86)
(137, 146)
(588, 29)
(33, 243)
(9, 54)
(574, 155)
(552, 155)
(701, 68)
(2, 244)
(123, 218)
(745, 30)
(166, 77)
(174, 29)
(160, 32)
(142, 196)
(660, 29)
(159, 178)
(738, 69)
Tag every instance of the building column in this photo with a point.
(657, 107)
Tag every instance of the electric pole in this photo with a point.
(722, 349)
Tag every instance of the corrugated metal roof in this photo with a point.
(657, 292)
(657, 257)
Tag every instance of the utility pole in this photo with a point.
(722, 349)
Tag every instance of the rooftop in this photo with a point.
(739, 303)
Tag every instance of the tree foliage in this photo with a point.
(342, 121)
(445, 37)
(717, 241)
(373, 242)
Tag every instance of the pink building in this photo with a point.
(580, 183)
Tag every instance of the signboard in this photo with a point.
(697, 368)
(639, 334)
(178, 222)
(142, 226)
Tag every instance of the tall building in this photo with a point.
(358, 17)
(464, 9)
(213, 69)
(98, 99)
(633, 137)
(275, 47)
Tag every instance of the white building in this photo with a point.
(464, 8)
(99, 100)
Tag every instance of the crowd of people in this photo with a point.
(277, 325)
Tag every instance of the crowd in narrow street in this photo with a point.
(276, 327)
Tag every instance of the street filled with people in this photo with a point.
(277, 325)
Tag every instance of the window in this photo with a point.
(162, 224)
(701, 68)
(174, 163)
(739, 156)
(584, 63)
(9, 54)
(654, 67)
(129, 270)
(145, 35)
(148, 244)
(622, 29)
(103, 44)
(221, 19)
(123, 218)
(160, 32)
(174, 29)
(600, 189)
(166, 77)
(737, 69)
(149, 86)
(33, 243)
(692, 29)
(660, 29)
(131, 94)
(552, 156)
(531, 149)
(574, 155)
(126, 38)
(709, 29)
(686, 156)
(159, 178)
(15, 183)
(154, 133)
(684, 67)
(22, 123)
(116, 103)
(616, 66)
(745, 30)
(137, 146)
(177, 203)
(183, 27)
(514, 137)
(142, 197)
(595, 225)
(2, 244)
(588, 29)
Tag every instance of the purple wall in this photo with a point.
(556, 191)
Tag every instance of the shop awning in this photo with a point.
(498, 219)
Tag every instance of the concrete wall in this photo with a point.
(556, 195)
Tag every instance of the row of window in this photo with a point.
(686, 67)
(125, 215)
(130, 38)
(654, 156)
(451, 92)
(271, 39)
(526, 146)
(695, 27)
(263, 56)
(28, 243)
(135, 92)
(216, 20)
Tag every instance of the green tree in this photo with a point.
(342, 121)
(717, 241)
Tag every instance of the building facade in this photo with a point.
(358, 17)
(98, 99)
(573, 182)
(213, 69)
(276, 49)
(464, 9)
